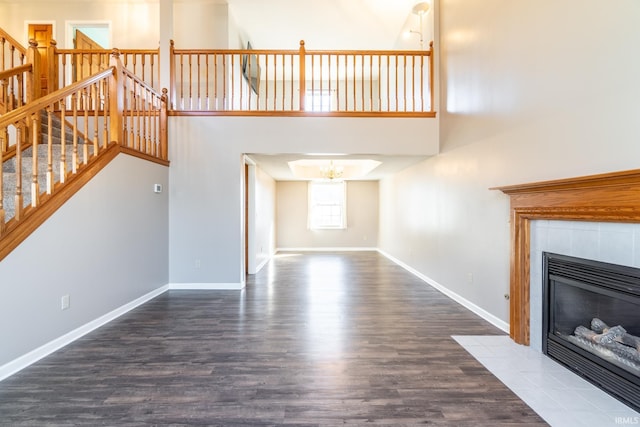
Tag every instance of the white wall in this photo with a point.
(532, 90)
(265, 217)
(133, 25)
(104, 248)
(200, 24)
(206, 173)
(362, 218)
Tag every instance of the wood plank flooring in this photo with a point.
(315, 339)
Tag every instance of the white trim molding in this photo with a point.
(327, 249)
(207, 286)
(264, 262)
(495, 321)
(33, 356)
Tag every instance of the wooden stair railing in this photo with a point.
(110, 112)
(302, 82)
(12, 53)
(18, 87)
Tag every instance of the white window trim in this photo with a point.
(325, 100)
(310, 207)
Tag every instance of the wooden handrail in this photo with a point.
(327, 82)
(40, 103)
(12, 42)
(11, 72)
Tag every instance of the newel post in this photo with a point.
(303, 81)
(116, 98)
(172, 73)
(431, 78)
(33, 77)
(164, 138)
(52, 72)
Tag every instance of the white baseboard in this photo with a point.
(207, 286)
(327, 249)
(495, 321)
(33, 356)
(264, 262)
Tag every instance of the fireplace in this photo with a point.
(591, 322)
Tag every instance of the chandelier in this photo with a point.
(331, 171)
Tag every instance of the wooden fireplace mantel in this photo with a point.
(613, 197)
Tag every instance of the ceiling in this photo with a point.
(325, 24)
(277, 165)
(328, 25)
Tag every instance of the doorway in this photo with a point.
(249, 213)
(99, 33)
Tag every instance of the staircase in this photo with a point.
(117, 112)
(9, 167)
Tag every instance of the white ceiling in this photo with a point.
(324, 24)
(328, 25)
(276, 165)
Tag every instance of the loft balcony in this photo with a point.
(252, 82)
(302, 82)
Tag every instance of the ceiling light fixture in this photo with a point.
(420, 9)
(331, 171)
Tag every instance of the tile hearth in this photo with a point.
(558, 395)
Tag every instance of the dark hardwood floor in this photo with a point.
(315, 339)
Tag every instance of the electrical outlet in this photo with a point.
(469, 278)
(65, 302)
(196, 263)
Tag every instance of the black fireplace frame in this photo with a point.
(607, 279)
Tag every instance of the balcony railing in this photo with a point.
(302, 82)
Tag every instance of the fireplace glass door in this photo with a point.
(591, 322)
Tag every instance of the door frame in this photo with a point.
(249, 215)
(71, 25)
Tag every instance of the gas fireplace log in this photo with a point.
(626, 338)
(583, 332)
(605, 341)
(605, 352)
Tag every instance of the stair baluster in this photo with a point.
(49, 150)
(35, 187)
(63, 143)
(74, 153)
(86, 104)
(20, 132)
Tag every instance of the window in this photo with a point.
(327, 205)
(318, 100)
